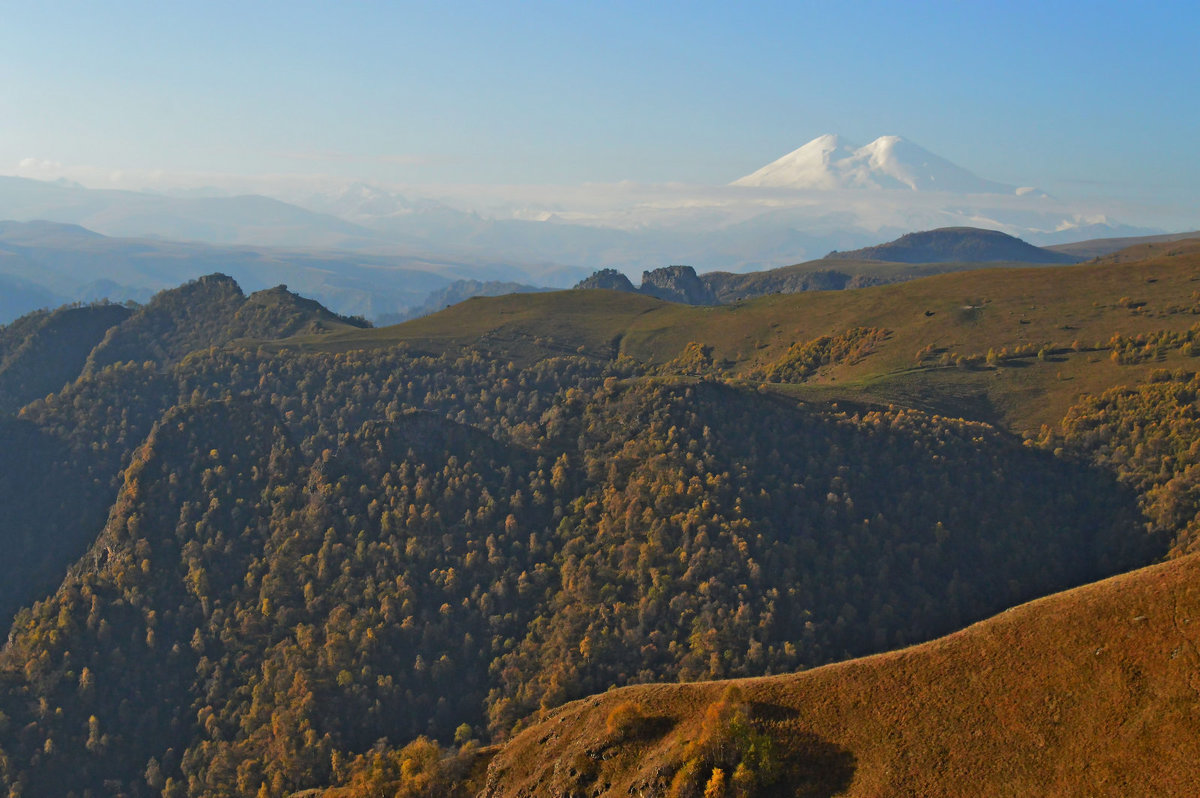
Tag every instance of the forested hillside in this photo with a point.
(304, 563)
(210, 311)
(1089, 692)
(43, 351)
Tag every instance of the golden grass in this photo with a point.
(1088, 692)
(966, 313)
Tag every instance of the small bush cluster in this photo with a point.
(730, 758)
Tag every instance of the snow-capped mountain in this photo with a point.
(827, 195)
(889, 162)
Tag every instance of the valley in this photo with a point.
(595, 542)
(599, 400)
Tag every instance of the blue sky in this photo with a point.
(1079, 98)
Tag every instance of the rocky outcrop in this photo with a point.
(677, 284)
(608, 279)
(670, 283)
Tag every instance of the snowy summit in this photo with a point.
(889, 162)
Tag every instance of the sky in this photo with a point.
(1086, 99)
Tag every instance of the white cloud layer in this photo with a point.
(733, 227)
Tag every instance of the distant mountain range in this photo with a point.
(827, 195)
(367, 250)
(253, 220)
(45, 264)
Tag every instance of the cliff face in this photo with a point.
(677, 284)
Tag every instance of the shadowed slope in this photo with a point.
(127, 616)
(43, 351)
(1088, 692)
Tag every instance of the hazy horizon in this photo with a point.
(486, 100)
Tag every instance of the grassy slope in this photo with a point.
(1098, 247)
(966, 312)
(1088, 692)
(1153, 249)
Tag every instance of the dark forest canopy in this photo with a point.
(287, 569)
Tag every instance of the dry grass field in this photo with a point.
(1089, 692)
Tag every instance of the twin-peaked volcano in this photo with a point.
(889, 162)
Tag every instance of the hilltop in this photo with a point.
(42, 351)
(211, 311)
(961, 244)
(1086, 692)
(669, 283)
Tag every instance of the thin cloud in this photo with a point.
(169, 181)
(627, 204)
(38, 165)
(333, 156)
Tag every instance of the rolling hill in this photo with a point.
(956, 244)
(458, 291)
(940, 330)
(1098, 247)
(255, 558)
(1089, 692)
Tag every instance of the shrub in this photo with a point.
(727, 743)
(627, 719)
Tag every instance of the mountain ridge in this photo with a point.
(923, 253)
(63, 262)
